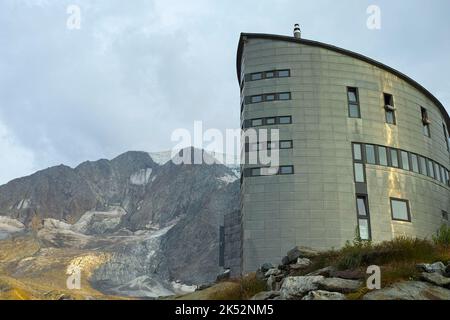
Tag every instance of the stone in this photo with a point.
(340, 285)
(266, 295)
(302, 263)
(224, 276)
(271, 283)
(436, 278)
(435, 267)
(409, 290)
(326, 272)
(294, 288)
(266, 267)
(300, 252)
(348, 274)
(324, 295)
(285, 261)
(272, 272)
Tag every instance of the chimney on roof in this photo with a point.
(297, 31)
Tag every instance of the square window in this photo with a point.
(270, 74)
(400, 210)
(370, 154)
(286, 170)
(284, 96)
(270, 121)
(357, 152)
(382, 155)
(255, 172)
(286, 144)
(353, 110)
(285, 120)
(284, 73)
(269, 97)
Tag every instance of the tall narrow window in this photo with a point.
(363, 217)
(359, 173)
(446, 137)
(405, 160)
(370, 154)
(357, 152)
(425, 122)
(382, 155)
(430, 169)
(353, 103)
(389, 108)
(423, 165)
(415, 163)
(394, 158)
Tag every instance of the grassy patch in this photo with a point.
(247, 287)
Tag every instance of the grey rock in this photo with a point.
(266, 267)
(272, 272)
(410, 290)
(300, 252)
(271, 283)
(302, 263)
(285, 261)
(324, 295)
(294, 288)
(266, 295)
(435, 267)
(339, 285)
(326, 272)
(436, 278)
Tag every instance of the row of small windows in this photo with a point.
(354, 111)
(391, 157)
(269, 145)
(268, 171)
(268, 121)
(267, 75)
(268, 97)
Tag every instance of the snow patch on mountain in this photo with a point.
(141, 177)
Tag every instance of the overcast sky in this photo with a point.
(138, 69)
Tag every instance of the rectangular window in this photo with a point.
(425, 122)
(269, 97)
(359, 173)
(255, 172)
(389, 108)
(270, 74)
(353, 103)
(285, 120)
(437, 171)
(443, 175)
(415, 163)
(256, 99)
(286, 170)
(286, 144)
(405, 160)
(257, 122)
(370, 154)
(271, 121)
(363, 217)
(400, 210)
(269, 171)
(382, 155)
(423, 165)
(394, 158)
(445, 215)
(284, 73)
(357, 152)
(430, 169)
(284, 96)
(256, 76)
(446, 137)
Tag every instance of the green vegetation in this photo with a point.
(442, 236)
(247, 288)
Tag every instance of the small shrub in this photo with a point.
(442, 236)
(241, 289)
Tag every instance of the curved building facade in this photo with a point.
(364, 150)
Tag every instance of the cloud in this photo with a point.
(137, 70)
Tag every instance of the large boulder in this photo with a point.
(324, 295)
(299, 252)
(410, 290)
(436, 278)
(302, 263)
(294, 288)
(339, 285)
